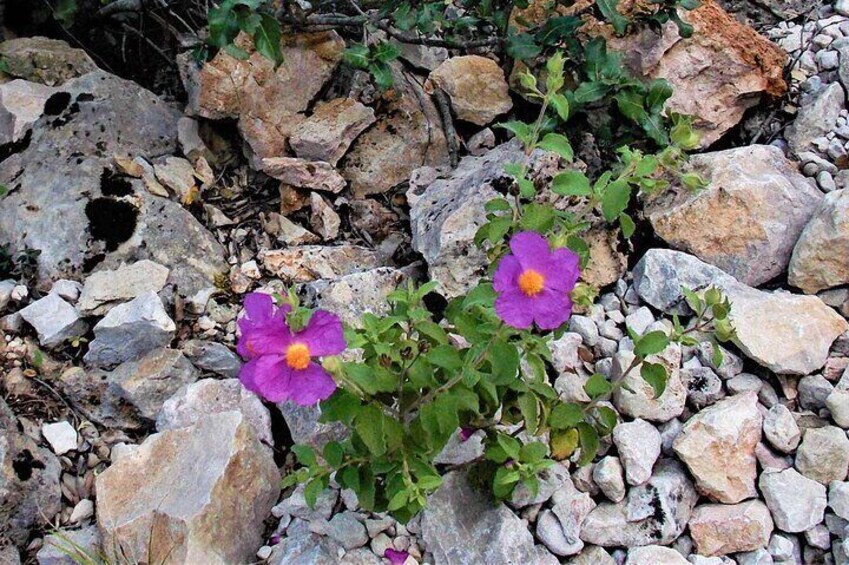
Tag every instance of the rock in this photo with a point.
(812, 391)
(55, 320)
(607, 474)
(291, 234)
(641, 403)
(267, 100)
(29, 482)
(719, 529)
(406, 136)
(179, 481)
(654, 555)
(67, 290)
(300, 173)
(718, 446)
(178, 175)
(351, 296)
(21, 104)
(213, 357)
(70, 547)
(130, 330)
(347, 531)
(61, 436)
(592, 555)
(817, 262)
(324, 220)
(570, 508)
(305, 428)
(9, 555)
(838, 498)
(83, 510)
(305, 548)
(461, 526)
(307, 263)
(638, 443)
(747, 220)
(785, 333)
(796, 502)
(103, 289)
(45, 61)
(296, 505)
(816, 118)
(329, 132)
(422, 56)
(780, 429)
(461, 452)
(656, 512)
(211, 396)
(838, 405)
(703, 386)
(476, 87)
(824, 454)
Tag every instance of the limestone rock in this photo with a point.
(351, 296)
(178, 482)
(103, 288)
(54, 319)
(638, 443)
(21, 104)
(797, 503)
(747, 220)
(45, 61)
(816, 118)
(718, 446)
(324, 220)
(654, 555)
(305, 428)
(641, 403)
(560, 530)
(61, 436)
(476, 87)
(307, 263)
(300, 173)
(824, 454)
(720, 529)
(178, 175)
(781, 430)
(607, 474)
(818, 260)
(130, 330)
(69, 547)
(212, 356)
(329, 132)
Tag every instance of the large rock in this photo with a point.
(797, 503)
(161, 499)
(45, 61)
(747, 220)
(816, 118)
(70, 547)
(819, 258)
(786, 333)
(406, 136)
(445, 216)
(105, 288)
(267, 101)
(460, 526)
(718, 446)
(54, 319)
(720, 529)
(824, 454)
(21, 104)
(353, 295)
(476, 87)
(329, 132)
(306, 263)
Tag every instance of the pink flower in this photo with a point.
(395, 557)
(533, 283)
(280, 364)
(465, 433)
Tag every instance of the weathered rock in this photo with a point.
(560, 530)
(718, 446)
(61, 436)
(606, 264)
(212, 356)
(70, 547)
(747, 220)
(104, 288)
(353, 295)
(307, 263)
(796, 502)
(305, 428)
(640, 401)
(346, 530)
(816, 118)
(324, 220)
(785, 333)
(780, 429)
(656, 512)
(268, 102)
(638, 443)
(476, 87)
(305, 547)
(824, 454)
(460, 526)
(9, 555)
(818, 260)
(45, 61)
(812, 392)
(719, 529)
(329, 132)
(130, 330)
(300, 173)
(407, 136)
(607, 474)
(838, 498)
(54, 319)
(178, 175)
(178, 482)
(654, 555)
(21, 104)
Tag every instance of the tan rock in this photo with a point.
(654, 555)
(329, 132)
(106, 288)
(310, 262)
(747, 220)
(819, 259)
(720, 529)
(606, 264)
(718, 445)
(21, 104)
(197, 494)
(178, 174)
(301, 173)
(324, 220)
(476, 87)
(45, 61)
(353, 295)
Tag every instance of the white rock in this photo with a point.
(780, 429)
(83, 510)
(61, 436)
(607, 474)
(838, 498)
(654, 555)
(797, 503)
(54, 319)
(639, 445)
(824, 454)
(104, 289)
(67, 290)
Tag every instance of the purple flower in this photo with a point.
(533, 283)
(395, 557)
(280, 364)
(465, 433)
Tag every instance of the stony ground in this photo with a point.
(125, 429)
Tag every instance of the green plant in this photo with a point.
(375, 59)
(253, 17)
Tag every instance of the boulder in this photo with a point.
(747, 220)
(476, 87)
(160, 499)
(103, 289)
(329, 132)
(54, 319)
(819, 258)
(816, 118)
(720, 529)
(46, 61)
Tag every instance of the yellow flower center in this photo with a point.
(531, 282)
(298, 356)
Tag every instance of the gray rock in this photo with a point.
(70, 547)
(813, 390)
(460, 526)
(45, 61)
(104, 289)
(6, 288)
(353, 295)
(703, 386)
(9, 555)
(584, 327)
(640, 401)
(460, 452)
(817, 262)
(607, 474)
(731, 365)
(54, 319)
(212, 356)
(823, 454)
(592, 555)
(638, 443)
(130, 330)
(797, 503)
(838, 498)
(306, 429)
(305, 548)
(67, 290)
(570, 508)
(838, 405)
(61, 436)
(554, 479)
(744, 382)
(347, 531)
(816, 118)
(758, 557)
(654, 555)
(639, 320)
(780, 429)
(296, 505)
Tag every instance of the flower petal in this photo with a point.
(311, 385)
(551, 309)
(263, 327)
(268, 376)
(507, 274)
(515, 309)
(323, 334)
(531, 249)
(563, 270)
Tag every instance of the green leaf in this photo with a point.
(399, 500)
(4, 190)
(504, 359)
(659, 92)
(342, 406)
(65, 11)
(588, 440)
(559, 144)
(655, 375)
(533, 452)
(357, 55)
(615, 199)
(519, 129)
(333, 453)
(630, 103)
(530, 411)
(563, 443)
(537, 217)
(267, 38)
(445, 356)
(627, 224)
(305, 455)
(561, 105)
(571, 183)
(385, 52)
(617, 20)
(498, 205)
(717, 357)
(651, 343)
(510, 445)
(522, 46)
(597, 386)
(607, 418)
(312, 490)
(590, 92)
(369, 426)
(382, 75)
(564, 416)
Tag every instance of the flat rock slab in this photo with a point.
(103, 288)
(54, 319)
(45, 61)
(476, 87)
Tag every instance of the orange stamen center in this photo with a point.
(298, 356)
(531, 282)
